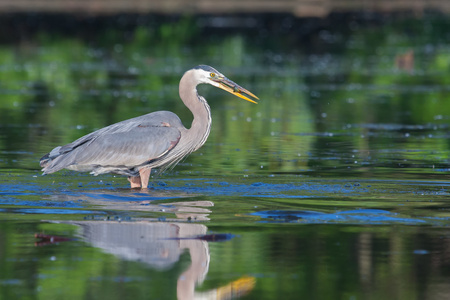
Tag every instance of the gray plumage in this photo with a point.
(119, 148)
(155, 140)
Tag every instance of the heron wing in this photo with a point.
(129, 149)
(128, 144)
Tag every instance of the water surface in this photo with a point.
(333, 187)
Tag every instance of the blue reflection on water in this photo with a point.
(122, 197)
(68, 204)
(54, 211)
(365, 216)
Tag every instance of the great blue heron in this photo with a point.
(156, 140)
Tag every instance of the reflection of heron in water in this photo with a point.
(155, 140)
(160, 245)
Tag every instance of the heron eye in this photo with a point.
(212, 75)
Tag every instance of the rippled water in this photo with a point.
(333, 186)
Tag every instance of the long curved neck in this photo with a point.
(201, 123)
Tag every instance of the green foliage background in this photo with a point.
(352, 96)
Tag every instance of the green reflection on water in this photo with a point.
(333, 113)
(323, 262)
(71, 270)
(338, 107)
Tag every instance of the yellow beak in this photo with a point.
(235, 89)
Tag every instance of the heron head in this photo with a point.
(209, 75)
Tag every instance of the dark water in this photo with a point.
(334, 186)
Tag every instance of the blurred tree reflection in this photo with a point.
(318, 110)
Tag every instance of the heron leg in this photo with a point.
(145, 175)
(135, 181)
